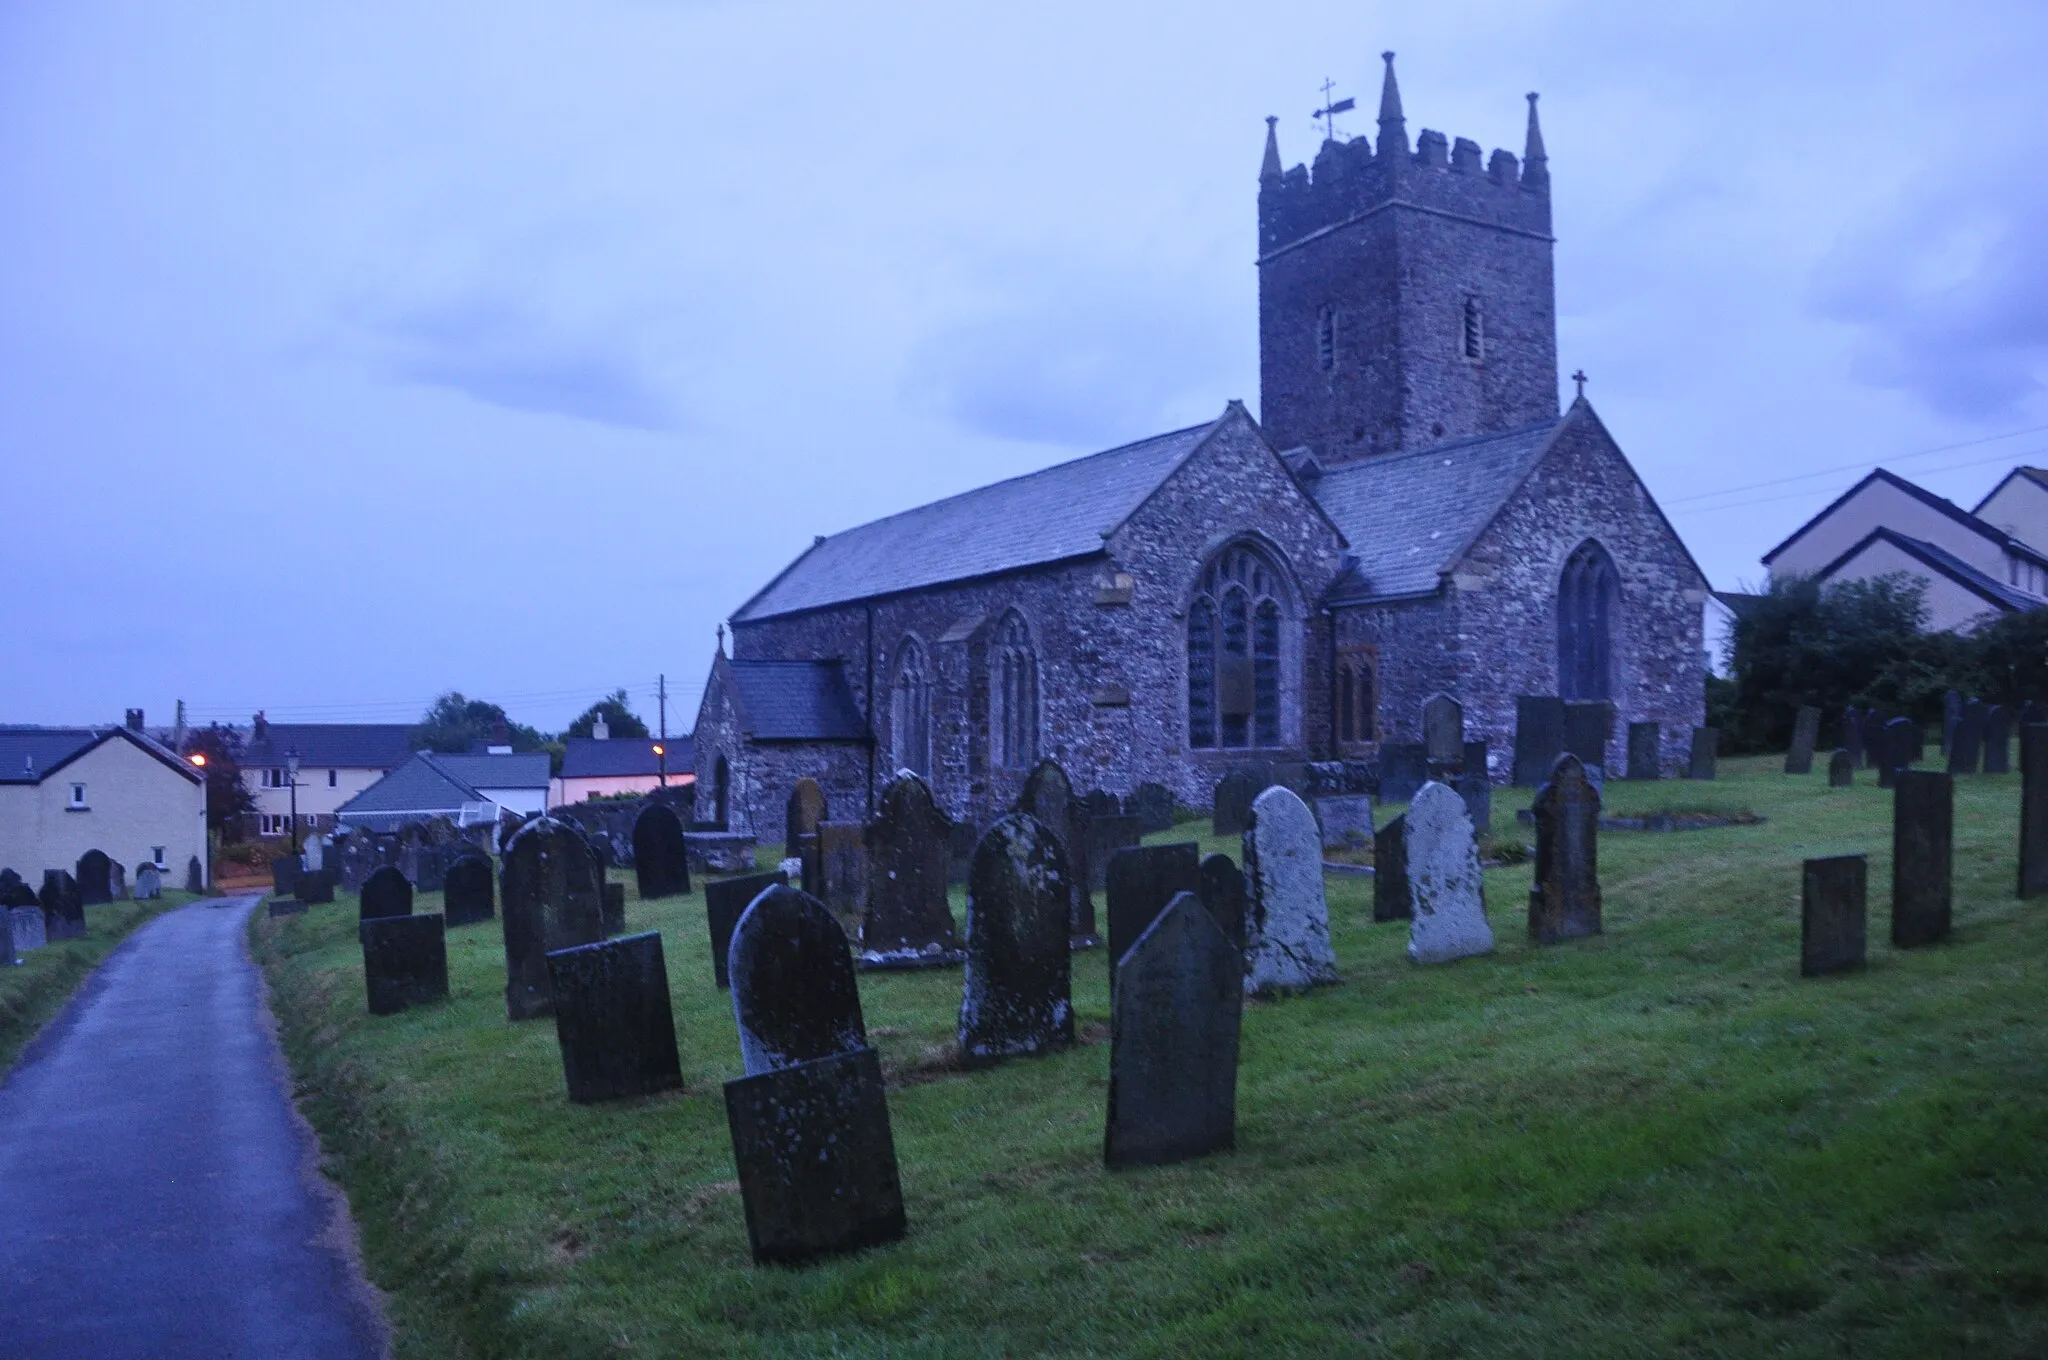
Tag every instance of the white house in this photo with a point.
(67, 790)
(336, 761)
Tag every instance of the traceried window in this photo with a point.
(1588, 613)
(1358, 694)
(1234, 652)
(1474, 330)
(1326, 338)
(1013, 694)
(910, 711)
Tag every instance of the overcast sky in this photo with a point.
(350, 353)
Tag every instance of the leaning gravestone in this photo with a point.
(661, 858)
(149, 883)
(612, 1019)
(549, 898)
(1017, 996)
(1346, 820)
(1923, 856)
(1048, 797)
(1223, 892)
(1174, 1023)
(195, 876)
(1966, 740)
(95, 887)
(63, 908)
(612, 907)
(843, 863)
(1152, 805)
(405, 961)
(1449, 897)
(1852, 734)
(1898, 751)
(1997, 739)
(2033, 809)
(1706, 749)
(793, 990)
(1841, 769)
(30, 929)
(725, 901)
(1564, 904)
(1588, 727)
(1443, 730)
(1404, 765)
(801, 817)
(1392, 899)
(386, 893)
(467, 891)
(1142, 880)
(1233, 801)
(1287, 919)
(1539, 737)
(1644, 759)
(284, 874)
(908, 922)
(1805, 733)
(1831, 922)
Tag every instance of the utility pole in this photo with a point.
(661, 686)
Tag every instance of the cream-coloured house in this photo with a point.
(2019, 506)
(337, 761)
(67, 790)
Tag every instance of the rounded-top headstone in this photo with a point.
(1016, 998)
(908, 920)
(661, 858)
(94, 873)
(1287, 919)
(1048, 795)
(386, 892)
(468, 892)
(794, 997)
(801, 815)
(1444, 880)
(1564, 902)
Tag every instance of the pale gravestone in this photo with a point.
(843, 864)
(908, 922)
(1142, 880)
(1564, 904)
(386, 893)
(661, 857)
(30, 931)
(92, 872)
(725, 901)
(467, 895)
(1805, 734)
(1346, 819)
(1966, 740)
(1048, 797)
(613, 1022)
(1152, 805)
(1644, 759)
(1017, 995)
(1832, 915)
(149, 883)
(1539, 737)
(2033, 809)
(1404, 765)
(1174, 1025)
(1287, 919)
(1233, 801)
(801, 816)
(1448, 919)
(1997, 739)
(1588, 727)
(549, 898)
(1391, 898)
(1443, 730)
(1223, 893)
(1841, 769)
(1706, 750)
(1923, 856)
(405, 961)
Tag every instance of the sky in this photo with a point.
(354, 353)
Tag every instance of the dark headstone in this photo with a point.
(316, 886)
(612, 1018)
(14, 892)
(1841, 769)
(1588, 728)
(1874, 740)
(2033, 809)
(387, 893)
(1539, 737)
(801, 814)
(467, 895)
(63, 906)
(1997, 739)
(1645, 760)
(1142, 880)
(93, 873)
(1404, 768)
(960, 852)
(1223, 893)
(1391, 900)
(661, 857)
(2033, 711)
(1443, 730)
(1174, 1020)
(285, 906)
(1951, 714)
(1565, 901)
(1017, 997)
(1102, 803)
(405, 961)
(843, 863)
(548, 899)
(1966, 740)
(1048, 796)
(816, 1163)
(1831, 928)
(908, 922)
(1106, 836)
(1152, 805)
(794, 997)
(1852, 734)
(725, 901)
(612, 907)
(1233, 801)
(149, 883)
(1475, 787)
(195, 876)
(1805, 734)
(1923, 856)
(1706, 751)
(1898, 751)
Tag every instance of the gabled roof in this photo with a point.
(2038, 476)
(348, 746)
(1938, 559)
(29, 755)
(421, 787)
(518, 770)
(1048, 516)
(1927, 498)
(623, 757)
(793, 700)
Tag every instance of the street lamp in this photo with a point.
(291, 774)
(661, 755)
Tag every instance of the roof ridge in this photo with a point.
(1465, 442)
(1941, 559)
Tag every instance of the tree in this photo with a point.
(2009, 658)
(622, 721)
(454, 724)
(229, 804)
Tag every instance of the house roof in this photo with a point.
(1927, 498)
(623, 757)
(1938, 559)
(422, 787)
(1047, 516)
(349, 746)
(2038, 476)
(29, 755)
(517, 770)
(794, 700)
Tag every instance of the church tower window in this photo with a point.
(1588, 612)
(1475, 330)
(910, 711)
(1236, 652)
(1326, 338)
(1013, 694)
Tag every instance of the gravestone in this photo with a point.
(63, 907)
(1174, 1022)
(1997, 739)
(1706, 750)
(149, 883)
(1142, 880)
(2033, 711)
(612, 908)
(117, 880)
(316, 886)
(466, 889)
(1966, 740)
(195, 876)
(1564, 904)
(843, 864)
(91, 873)
(1898, 751)
(548, 899)
(1923, 856)
(1951, 714)
(386, 893)
(1588, 728)
(908, 922)
(1287, 919)
(794, 998)
(801, 817)
(612, 1018)
(1539, 737)
(285, 906)
(1404, 765)
(1346, 820)
(1841, 769)
(1048, 797)
(1017, 995)
(725, 901)
(1831, 921)
(1102, 803)
(313, 855)
(1645, 760)
(1152, 804)
(1233, 801)
(1874, 739)
(405, 961)
(1805, 733)
(1443, 730)
(1106, 836)
(1392, 899)
(2033, 809)
(31, 930)
(1444, 882)
(1475, 787)
(14, 892)
(815, 1160)
(661, 857)
(1852, 734)
(959, 853)
(284, 874)
(1223, 894)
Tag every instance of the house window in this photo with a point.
(1326, 338)
(1234, 652)
(910, 711)
(276, 779)
(1013, 694)
(156, 855)
(78, 795)
(273, 824)
(1474, 330)
(1588, 610)
(1358, 674)
(333, 778)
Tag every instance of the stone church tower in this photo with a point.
(1405, 296)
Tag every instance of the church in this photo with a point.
(1410, 514)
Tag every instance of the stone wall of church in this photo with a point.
(761, 775)
(1419, 653)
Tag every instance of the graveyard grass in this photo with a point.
(1658, 1141)
(31, 995)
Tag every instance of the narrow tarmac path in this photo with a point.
(159, 1196)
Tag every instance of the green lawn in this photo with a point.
(1660, 1141)
(33, 993)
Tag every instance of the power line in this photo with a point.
(1822, 491)
(1866, 466)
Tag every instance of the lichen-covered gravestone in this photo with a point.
(1841, 769)
(1564, 904)
(725, 901)
(1805, 733)
(661, 857)
(386, 893)
(1223, 892)
(1706, 749)
(2033, 809)
(1048, 796)
(1178, 1006)
(95, 887)
(612, 1019)
(149, 882)
(31, 931)
(1017, 996)
(908, 922)
(1644, 759)
(1443, 730)
(405, 961)
(801, 817)
(1539, 737)
(1832, 915)
(467, 891)
(1232, 802)
(1152, 805)
(548, 899)
(1287, 919)
(1449, 917)
(1923, 856)
(1391, 899)
(1142, 879)
(1997, 739)
(63, 909)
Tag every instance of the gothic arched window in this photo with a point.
(910, 711)
(1013, 694)
(1234, 651)
(1358, 702)
(1588, 612)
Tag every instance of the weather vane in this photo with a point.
(1329, 111)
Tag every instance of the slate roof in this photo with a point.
(1045, 516)
(623, 757)
(519, 770)
(1947, 507)
(348, 746)
(1948, 564)
(52, 748)
(794, 701)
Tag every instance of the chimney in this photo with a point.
(135, 720)
(600, 730)
(260, 729)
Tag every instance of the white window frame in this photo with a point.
(78, 797)
(157, 855)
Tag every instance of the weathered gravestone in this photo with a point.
(548, 899)
(1852, 734)
(91, 873)
(1923, 856)
(1539, 737)
(1898, 751)
(1966, 740)
(1443, 730)
(1832, 914)
(284, 874)
(1841, 769)
(30, 929)
(1403, 767)
(612, 1019)
(117, 880)
(63, 908)
(1174, 1021)
(793, 991)
(1588, 727)
(1392, 900)
(611, 904)
(1048, 797)
(1475, 787)
(1142, 880)
(1233, 801)
(1564, 904)
(466, 891)
(1152, 805)
(316, 886)
(725, 901)
(1805, 733)
(1287, 919)
(1997, 739)
(1346, 820)
(1706, 750)
(1645, 760)
(195, 876)
(2033, 809)
(908, 922)
(1223, 892)
(801, 817)
(15, 893)
(1874, 740)
(405, 961)
(661, 857)
(1951, 714)
(843, 864)
(1106, 836)
(149, 882)
(1449, 896)
(386, 893)
(1017, 995)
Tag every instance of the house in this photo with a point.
(67, 790)
(337, 761)
(2019, 506)
(466, 789)
(601, 766)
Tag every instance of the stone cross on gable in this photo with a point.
(721, 638)
(1580, 378)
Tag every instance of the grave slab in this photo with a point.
(1392, 898)
(549, 900)
(661, 857)
(1805, 733)
(1048, 796)
(1832, 914)
(405, 961)
(468, 891)
(1539, 737)
(386, 892)
(1645, 760)
(1223, 893)
(1175, 1020)
(908, 922)
(1706, 750)
(1923, 856)
(794, 998)
(1346, 820)
(1142, 880)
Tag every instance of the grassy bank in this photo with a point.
(1657, 1141)
(31, 995)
